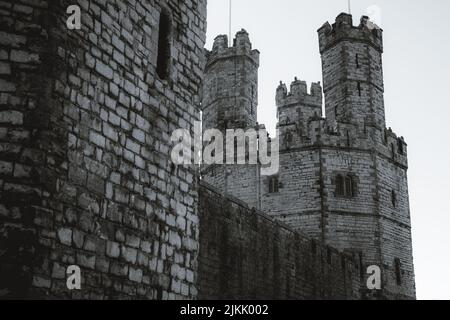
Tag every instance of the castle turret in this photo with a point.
(230, 96)
(352, 72)
(365, 189)
(343, 178)
(295, 109)
(230, 100)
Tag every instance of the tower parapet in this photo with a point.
(230, 85)
(343, 29)
(353, 73)
(295, 109)
(241, 47)
(298, 94)
(230, 101)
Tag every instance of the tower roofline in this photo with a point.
(344, 30)
(298, 94)
(241, 47)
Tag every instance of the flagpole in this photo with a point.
(349, 7)
(229, 25)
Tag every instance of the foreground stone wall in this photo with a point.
(244, 254)
(85, 125)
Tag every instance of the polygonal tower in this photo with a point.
(352, 72)
(363, 165)
(292, 195)
(343, 178)
(295, 109)
(230, 97)
(230, 100)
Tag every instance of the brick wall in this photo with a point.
(85, 125)
(244, 254)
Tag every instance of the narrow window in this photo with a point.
(359, 89)
(393, 150)
(273, 185)
(400, 146)
(348, 139)
(394, 198)
(398, 271)
(340, 186)
(361, 266)
(164, 49)
(313, 247)
(349, 191)
(357, 61)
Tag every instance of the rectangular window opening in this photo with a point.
(164, 48)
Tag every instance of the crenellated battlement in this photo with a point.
(343, 29)
(298, 94)
(316, 131)
(241, 47)
(342, 176)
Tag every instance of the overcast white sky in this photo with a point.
(416, 69)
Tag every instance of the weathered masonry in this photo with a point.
(86, 178)
(85, 123)
(343, 176)
(245, 254)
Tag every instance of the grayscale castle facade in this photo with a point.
(86, 177)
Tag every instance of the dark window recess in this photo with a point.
(393, 150)
(394, 198)
(359, 89)
(345, 186)
(361, 266)
(398, 271)
(274, 186)
(329, 256)
(349, 187)
(164, 48)
(400, 146)
(348, 139)
(340, 189)
(343, 264)
(313, 247)
(357, 61)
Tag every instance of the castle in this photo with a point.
(86, 177)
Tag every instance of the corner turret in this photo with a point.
(343, 29)
(294, 110)
(230, 86)
(353, 73)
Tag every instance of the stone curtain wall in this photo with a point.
(85, 125)
(246, 255)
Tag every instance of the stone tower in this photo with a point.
(292, 195)
(86, 176)
(352, 72)
(343, 178)
(365, 188)
(230, 100)
(230, 97)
